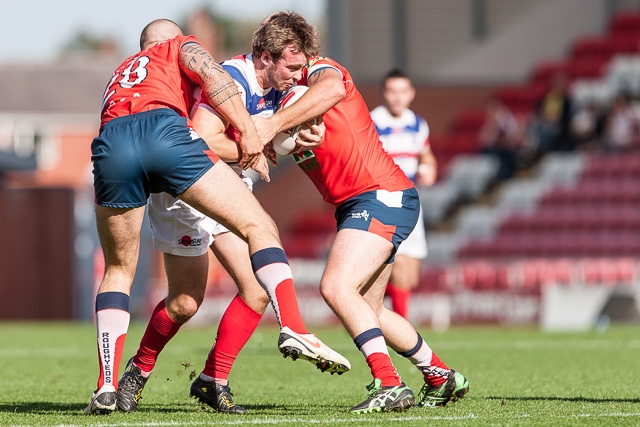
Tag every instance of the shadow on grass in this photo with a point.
(566, 399)
(51, 408)
(41, 407)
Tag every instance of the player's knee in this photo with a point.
(256, 298)
(181, 309)
(330, 292)
(261, 226)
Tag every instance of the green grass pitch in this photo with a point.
(518, 376)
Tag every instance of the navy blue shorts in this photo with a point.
(145, 153)
(389, 214)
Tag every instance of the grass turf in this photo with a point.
(518, 376)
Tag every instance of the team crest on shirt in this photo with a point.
(306, 160)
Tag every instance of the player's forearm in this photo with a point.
(323, 94)
(428, 159)
(224, 148)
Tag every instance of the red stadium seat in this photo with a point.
(469, 120)
(586, 68)
(625, 23)
(545, 71)
(307, 246)
(597, 49)
(521, 99)
(625, 44)
(433, 279)
(314, 222)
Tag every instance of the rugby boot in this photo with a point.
(219, 397)
(103, 401)
(385, 399)
(130, 387)
(453, 389)
(311, 348)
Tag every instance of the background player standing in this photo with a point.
(405, 136)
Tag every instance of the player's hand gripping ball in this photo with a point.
(285, 142)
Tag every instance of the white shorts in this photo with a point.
(415, 246)
(179, 229)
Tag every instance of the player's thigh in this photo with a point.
(374, 291)
(356, 258)
(406, 272)
(220, 194)
(119, 233)
(186, 278)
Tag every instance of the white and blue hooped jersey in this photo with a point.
(404, 137)
(258, 101)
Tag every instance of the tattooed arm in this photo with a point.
(326, 89)
(222, 93)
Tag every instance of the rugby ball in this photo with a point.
(285, 142)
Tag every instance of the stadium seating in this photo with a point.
(576, 219)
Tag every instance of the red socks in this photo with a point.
(236, 327)
(382, 367)
(374, 348)
(434, 370)
(288, 304)
(272, 270)
(399, 299)
(160, 330)
(437, 372)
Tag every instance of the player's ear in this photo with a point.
(413, 94)
(266, 57)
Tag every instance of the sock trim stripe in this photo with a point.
(112, 300)
(414, 350)
(268, 256)
(366, 336)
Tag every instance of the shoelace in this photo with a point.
(131, 383)
(422, 394)
(373, 388)
(224, 389)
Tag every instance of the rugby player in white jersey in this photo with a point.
(405, 136)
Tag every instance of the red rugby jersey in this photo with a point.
(351, 159)
(149, 79)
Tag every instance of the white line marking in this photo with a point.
(332, 421)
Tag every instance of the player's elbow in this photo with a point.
(336, 91)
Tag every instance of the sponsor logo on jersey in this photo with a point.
(306, 160)
(364, 214)
(188, 241)
(264, 103)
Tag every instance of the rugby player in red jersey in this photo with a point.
(147, 145)
(377, 207)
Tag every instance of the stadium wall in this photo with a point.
(36, 272)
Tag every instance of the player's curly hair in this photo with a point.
(281, 29)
